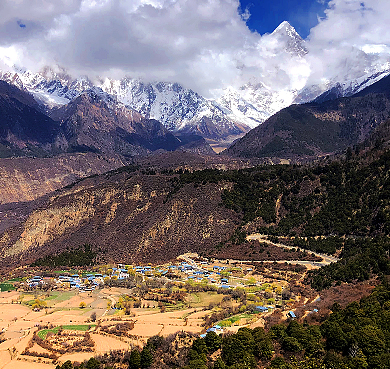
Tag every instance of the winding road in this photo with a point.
(326, 259)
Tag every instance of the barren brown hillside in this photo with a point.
(129, 216)
(25, 179)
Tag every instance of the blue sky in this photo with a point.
(266, 15)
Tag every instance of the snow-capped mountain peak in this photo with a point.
(286, 36)
(285, 28)
(183, 110)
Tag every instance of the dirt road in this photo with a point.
(326, 259)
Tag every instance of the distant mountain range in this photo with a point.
(183, 111)
(91, 122)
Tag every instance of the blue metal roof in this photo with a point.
(261, 308)
(292, 314)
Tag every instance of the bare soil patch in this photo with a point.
(104, 343)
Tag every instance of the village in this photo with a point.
(114, 307)
(189, 270)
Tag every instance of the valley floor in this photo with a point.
(74, 324)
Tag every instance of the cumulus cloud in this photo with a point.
(180, 40)
(203, 44)
(354, 22)
(352, 38)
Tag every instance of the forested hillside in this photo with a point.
(318, 128)
(340, 206)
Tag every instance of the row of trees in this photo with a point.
(81, 256)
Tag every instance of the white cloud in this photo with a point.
(355, 22)
(155, 39)
(352, 38)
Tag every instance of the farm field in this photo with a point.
(44, 326)
(19, 323)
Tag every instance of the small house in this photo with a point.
(291, 315)
(262, 309)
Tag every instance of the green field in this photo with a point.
(16, 279)
(173, 307)
(203, 299)
(59, 296)
(83, 328)
(6, 287)
(54, 298)
(230, 321)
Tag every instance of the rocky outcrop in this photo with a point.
(26, 179)
(98, 124)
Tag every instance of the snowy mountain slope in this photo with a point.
(252, 104)
(343, 86)
(179, 109)
(288, 39)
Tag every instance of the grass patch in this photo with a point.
(203, 299)
(29, 302)
(78, 327)
(253, 289)
(230, 321)
(194, 298)
(54, 298)
(7, 287)
(16, 279)
(60, 296)
(43, 333)
(174, 307)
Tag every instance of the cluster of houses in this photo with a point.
(198, 274)
(82, 283)
(120, 273)
(36, 281)
(186, 270)
(87, 283)
(190, 272)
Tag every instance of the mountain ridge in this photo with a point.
(93, 121)
(319, 128)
